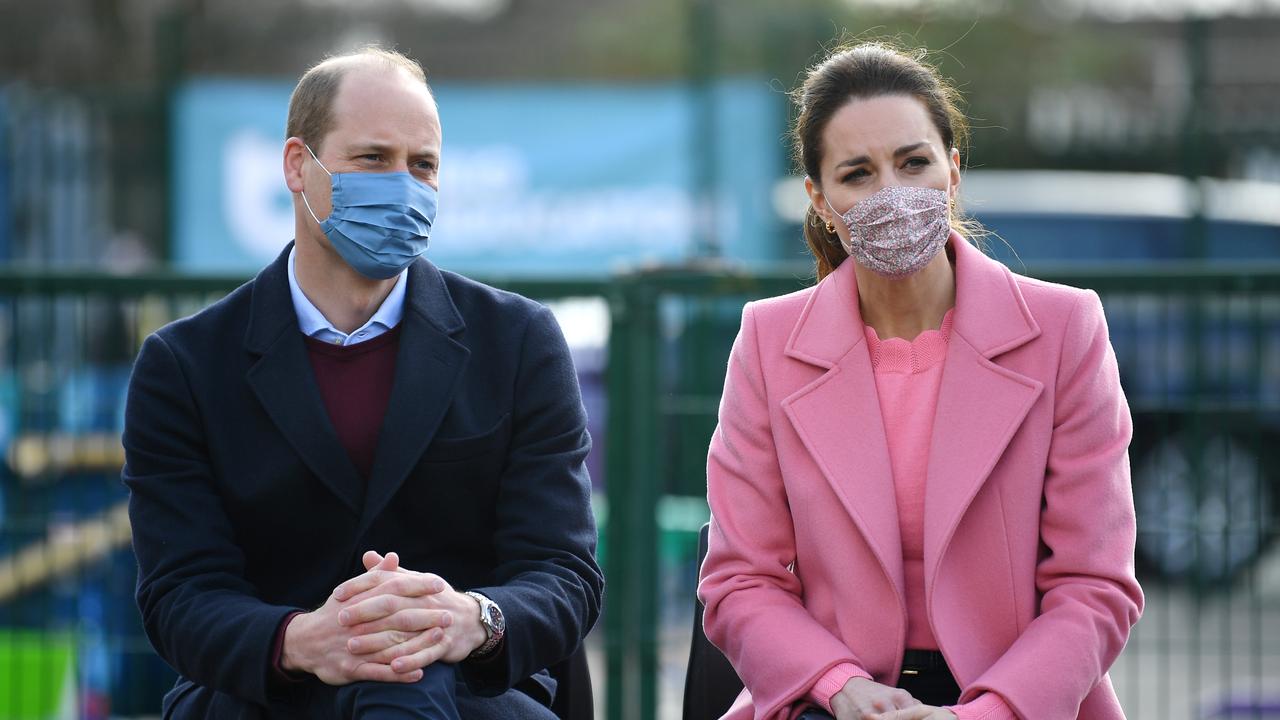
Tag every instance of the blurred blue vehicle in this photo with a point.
(1201, 370)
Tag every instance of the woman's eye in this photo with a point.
(856, 175)
(917, 162)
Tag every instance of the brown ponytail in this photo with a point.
(827, 251)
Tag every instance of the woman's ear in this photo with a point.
(953, 185)
(817, 200)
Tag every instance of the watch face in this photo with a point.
(495, 619)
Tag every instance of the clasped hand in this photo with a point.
(863, 699)
(385, 625)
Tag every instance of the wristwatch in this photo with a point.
(495, 625)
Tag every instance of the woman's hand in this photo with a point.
(918, 712)
(863, 699)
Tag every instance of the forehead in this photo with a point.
(387, 106)
(877, 125)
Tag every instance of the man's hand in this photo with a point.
(863, 699)
(317, 643)
(918, 712)
(407, 619)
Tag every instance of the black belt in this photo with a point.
(915, 662)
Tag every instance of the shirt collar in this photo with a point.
(314, 324)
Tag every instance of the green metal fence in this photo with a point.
(1200, 359)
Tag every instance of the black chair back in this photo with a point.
(574, 699)
(710, 684)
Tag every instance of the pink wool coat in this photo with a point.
(1029, 520)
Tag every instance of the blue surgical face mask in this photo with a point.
(380, 222)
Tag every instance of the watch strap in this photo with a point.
(493, 634)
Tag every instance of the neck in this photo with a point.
(345, 297)
(906, 307)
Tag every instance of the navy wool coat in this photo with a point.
(245, 506)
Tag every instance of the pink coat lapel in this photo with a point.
(837, 416)
(980, 404)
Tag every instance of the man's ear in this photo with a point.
(295, 158)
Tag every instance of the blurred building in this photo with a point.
(88, 159)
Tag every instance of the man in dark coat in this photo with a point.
(357, 483)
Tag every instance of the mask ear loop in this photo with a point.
(826, 200)
(303, 193)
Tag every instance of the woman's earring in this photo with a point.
(831, 229)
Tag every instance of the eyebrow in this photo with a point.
(853, 162)
(384, 149)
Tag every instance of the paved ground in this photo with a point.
(1193, 658)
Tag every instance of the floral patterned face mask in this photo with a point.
(897, 230)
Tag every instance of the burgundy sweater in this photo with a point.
(355, 383)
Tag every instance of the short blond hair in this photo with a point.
(311, 104)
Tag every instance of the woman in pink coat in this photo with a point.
(919, 485)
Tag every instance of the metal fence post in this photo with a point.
(631, 600)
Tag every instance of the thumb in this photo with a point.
(915, 712)
(374, 561)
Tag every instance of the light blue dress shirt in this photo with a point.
(314, 324)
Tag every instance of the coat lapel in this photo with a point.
(429, 365)
(838, 416)
(980, 404)
(284, 383)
